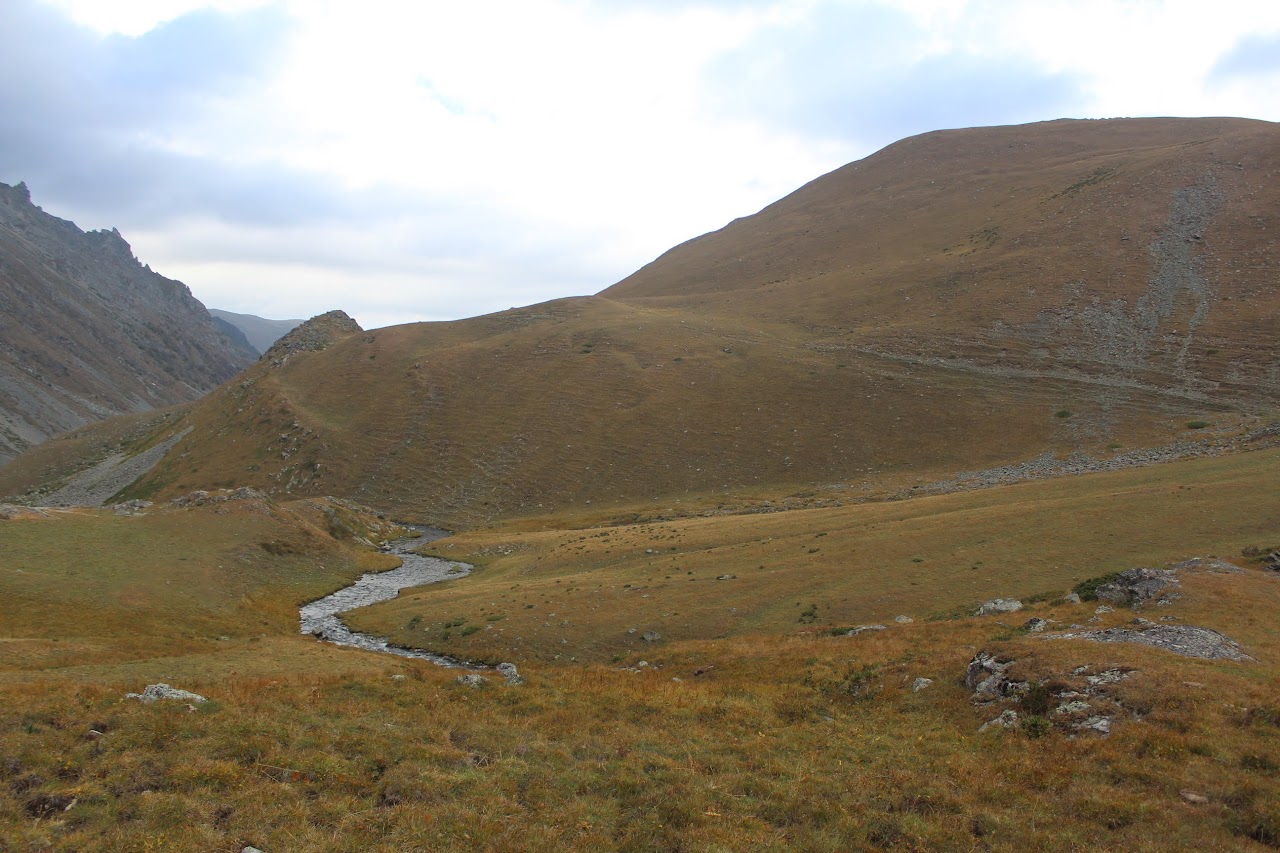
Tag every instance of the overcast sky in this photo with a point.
(434, 160)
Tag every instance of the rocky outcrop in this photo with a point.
(1136, 587)
(1186, 640)
(87, 332)
(318, 333)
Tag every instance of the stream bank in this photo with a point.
(321, 618)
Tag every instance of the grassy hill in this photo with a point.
(958, 301)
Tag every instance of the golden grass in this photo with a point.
(766, 750)
(87, 586)
(846, 565)
(779, 737)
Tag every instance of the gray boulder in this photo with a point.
(471, 680)
(1136, 587)
(987, 676)
(154, 692)
(998, 605)
(509, 672)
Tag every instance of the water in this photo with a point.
(320, 618)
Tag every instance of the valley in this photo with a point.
(816, 533)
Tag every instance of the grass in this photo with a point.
(590, 586)
(775, 737)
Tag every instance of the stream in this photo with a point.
(320, 618)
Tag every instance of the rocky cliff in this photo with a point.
(87, 332)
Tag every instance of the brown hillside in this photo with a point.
(1141, 249)
(957, 301)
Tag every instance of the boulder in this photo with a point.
(509, 672)
(154, 692)
(998, 605)
(471, 680)
(1035, 625)
(920, 684)
(1136, 587)
(987, 675)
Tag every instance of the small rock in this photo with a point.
(998, 605)
(250, 850)
(1073, 707)
(726, 577)
(1195, 685)
(651, 636)
(1006, 720)
(509, 672)
(471, 680)
(920, 684)
(1035, 625)
(903, 620)
(153, 692)
(399, 677)
(864, 628)
(1194, 798)
(1072, 598)
(642, 664)
(1102, 608)
(1110, 676)
(1099, 724)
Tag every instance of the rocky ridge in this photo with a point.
(87, 331)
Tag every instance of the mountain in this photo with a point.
(959, 301)
(260, 333)
(87, 332)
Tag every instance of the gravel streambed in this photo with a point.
(321, 618)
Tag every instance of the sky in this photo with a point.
(427, 160)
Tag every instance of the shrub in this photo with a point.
(1197, 424)
(1036, 727)
(1062, 413)
(1088, 589)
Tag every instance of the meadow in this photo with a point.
(766, 730)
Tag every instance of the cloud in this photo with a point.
(91, 120)
(871, 74)
(1257, 55)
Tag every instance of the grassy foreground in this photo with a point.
(777, 737)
